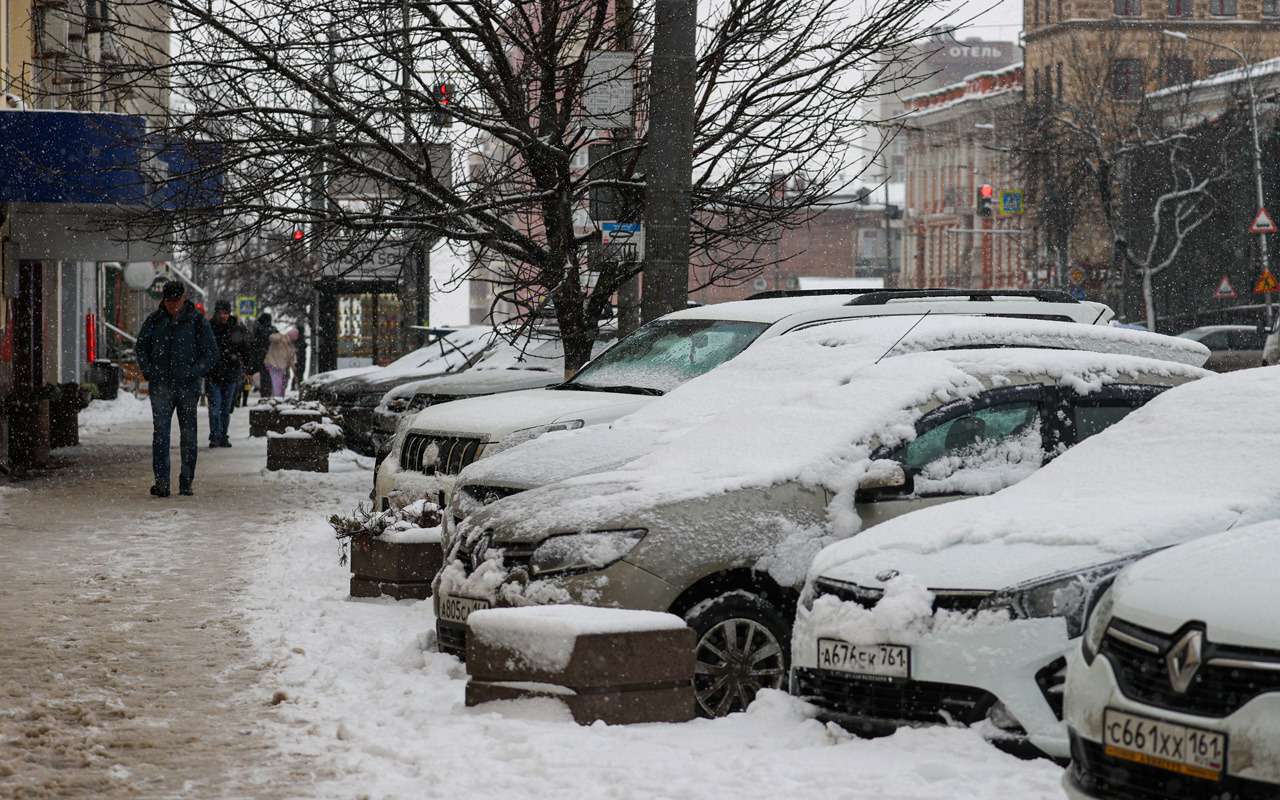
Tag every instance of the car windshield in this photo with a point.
(664, 354)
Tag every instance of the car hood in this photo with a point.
(482, 381)
(532, 516)
(335, 375)
(1225, 581)
(495, 416)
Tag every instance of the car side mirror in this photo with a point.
(884, 478)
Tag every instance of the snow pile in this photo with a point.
(1197, 460)
(382, 713)
(104, 415)
(543, 637)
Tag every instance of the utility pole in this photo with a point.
(888, 232)
(669, 159)
(629, 292)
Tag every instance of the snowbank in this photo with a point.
(104, 415)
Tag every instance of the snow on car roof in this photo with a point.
(1197, 460)
(768, 310)
(807, 406)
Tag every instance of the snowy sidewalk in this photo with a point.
(125, 666)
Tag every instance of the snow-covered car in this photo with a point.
(965, 614)
(1174, 691)
(356, 397)
(660, 356)
(505, 368)
(735, 480)
(1230, 346)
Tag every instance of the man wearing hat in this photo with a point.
(227, 376)
(175, 349)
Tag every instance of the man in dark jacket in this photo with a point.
(261, 341)
(175, 349)
(226, 379)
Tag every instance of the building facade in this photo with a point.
(958, 139)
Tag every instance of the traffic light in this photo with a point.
(985, 195)
(297, 234)
(441, 99)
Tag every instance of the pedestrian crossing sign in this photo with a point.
(1010, 202)
(246, 306)
(1225, 290)
(1267, 283)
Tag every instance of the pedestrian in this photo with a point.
(262, 331)
(279, 360)
(226, 379)
(175, 350)
(299, 338)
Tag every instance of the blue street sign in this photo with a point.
(1010, 202)
(1076, 292)
(246, 306)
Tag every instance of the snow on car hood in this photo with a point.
(1234, 577)
(333, 375)
(1194, 461)
(784, 373)
(497, 415)
(818, 428)
(478, 382)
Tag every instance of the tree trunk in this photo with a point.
(1148, 300)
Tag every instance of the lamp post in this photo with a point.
(1257, 145)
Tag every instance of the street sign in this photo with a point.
(1010, 202)
(1076, 276)
(622, 242)
(1225, 290)
(1267, 283)
(1076, 292)
(1263, 223)
(608, 97)
(246, 306)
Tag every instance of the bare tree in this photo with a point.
(1120, 157)
(334, 116)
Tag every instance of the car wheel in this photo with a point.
(743, 644)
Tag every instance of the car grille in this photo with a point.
(1217, 690)
(452, 453)
(943, 599)
(1108, 778)
(451, 638)
(898, 701)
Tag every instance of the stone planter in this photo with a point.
(403, 570)
(297, 452)
(262, 419)
(28, 423)
(64, 416)
(286, 418)
(613, 665)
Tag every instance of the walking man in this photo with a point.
(226, 379)
(175, 349)
(262, 331)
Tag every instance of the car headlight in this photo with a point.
(1097, 624)
(397, 405)
(582, 552)
(529, 434)
(369, 400)
(1068, 595)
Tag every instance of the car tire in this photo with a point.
(742, 645)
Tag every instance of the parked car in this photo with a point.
(1174, 691)
(964, 614)
(1230, 346)
(312, 387)
(664, 354)
(505, 368)
(356, 397)
(737, 479)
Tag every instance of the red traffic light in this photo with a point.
(986, 191)
(443, 94)
(297, 235)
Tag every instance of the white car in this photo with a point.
(660, 356)
(1175, 690)
(964, 614)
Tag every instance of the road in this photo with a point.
(125, 665)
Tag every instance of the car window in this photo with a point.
(1245, 340)
(1093, 414)
(665, 353)
(978, 452)
(1095, 419)
(1216, 341)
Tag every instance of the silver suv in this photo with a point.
(717, 521)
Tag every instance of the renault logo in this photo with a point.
(1183, 660)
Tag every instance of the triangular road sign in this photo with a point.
(1267, 283)
(1225, 290)
(1263, 223)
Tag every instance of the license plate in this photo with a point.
(876, 661)
(1178, 748)
(457, 609)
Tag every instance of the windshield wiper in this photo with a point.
(586, 387)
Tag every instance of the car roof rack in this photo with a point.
(877, 297)
(776, 293)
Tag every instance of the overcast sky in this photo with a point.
(992, 20)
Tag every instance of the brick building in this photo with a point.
(956, 140)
